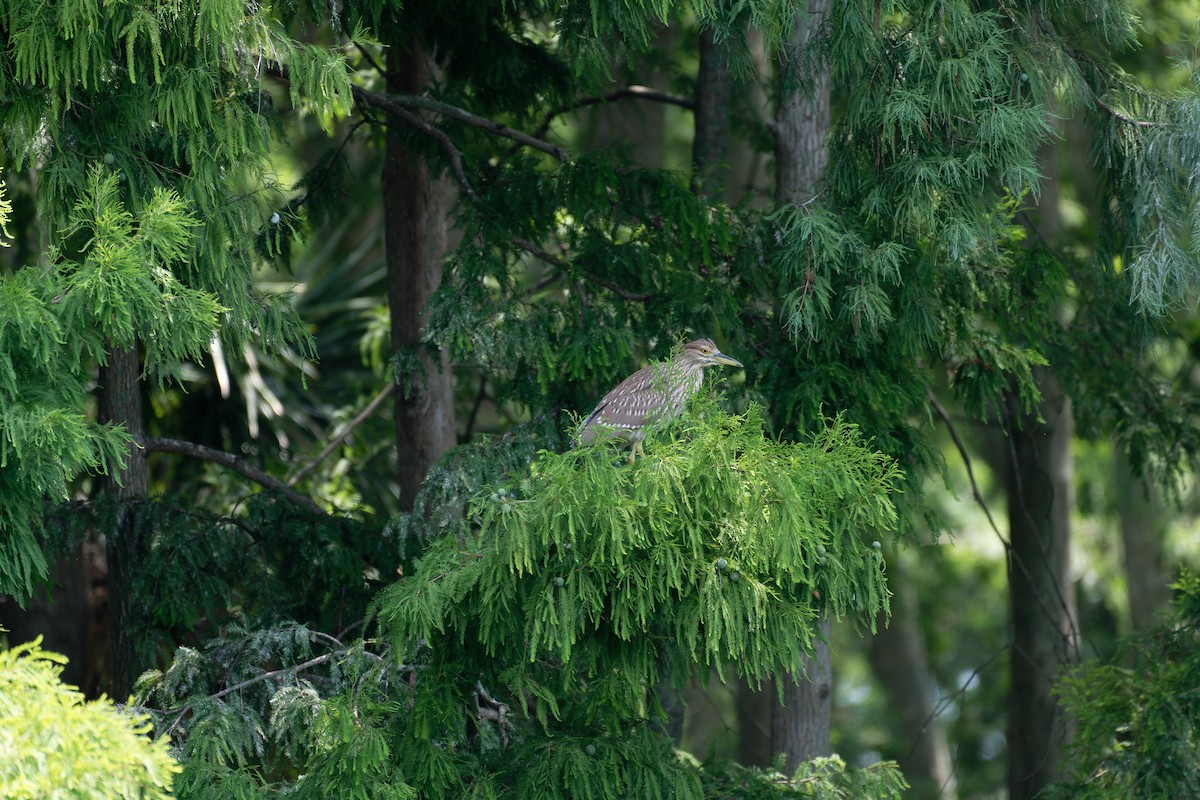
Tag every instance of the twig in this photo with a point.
(1141, 123)
(479, 398)
(265, 676)
(538, 251)
(342, 435)
(962, 451)
(235, 463)
(390, 102)
(1014, 558)
(625, 294)
(627, 92)
(555, 261)
(434, 132)
(370, 59)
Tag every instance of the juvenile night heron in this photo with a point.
(654, 393)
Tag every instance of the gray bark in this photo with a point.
(802, 115)
(800, 730)
(415, 208)
(711, 140)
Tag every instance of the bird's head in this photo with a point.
(704, 353)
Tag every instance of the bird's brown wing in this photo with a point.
(627, 409)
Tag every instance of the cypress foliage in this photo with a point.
(519, 658)
(1137, 718)
(553, 591)
(149, 130)
(57, 744)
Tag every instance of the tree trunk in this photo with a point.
(802, 116)
(1040, 497)
(755, 710)
(128, 540)
(800, 730)
(1143, 521)
(1041, 494)
(898, 660)
(711, 118)
(415, 209)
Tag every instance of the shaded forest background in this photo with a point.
(332, 285)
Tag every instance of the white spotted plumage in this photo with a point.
(654, 393)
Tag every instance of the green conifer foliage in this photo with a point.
(1137, 718)
(54, 744)
(149, 128)
(55, 322)
(588, 581)
(519, 657)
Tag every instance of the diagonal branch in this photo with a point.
(343, 434)
(391, 103)
(634, 92)
(432, 131)
(235, 463)
(976, 495)
(1123, 117)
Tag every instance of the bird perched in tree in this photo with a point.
(655, 393)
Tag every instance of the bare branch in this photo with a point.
(391, 103)
(434, 132)
(370, 59)
(264, 676)
(539, 252)
(626, 92)
(966, 459)
(342, 435)
(235, 463)
(1123, 117)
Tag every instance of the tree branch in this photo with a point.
(626, 92)
(392, 103)
(966, 459)
(342, 435)
(235, 463)
(1123, 117)
(265, 676)
(434, 132)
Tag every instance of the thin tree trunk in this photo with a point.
(711, 140)
(1040, 488)
(897, 655)
(415, 208)
(800, 730)
(1040, 498)
(802, 116)
(128, 540)
(1143, 522)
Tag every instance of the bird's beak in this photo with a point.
(721, 358)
